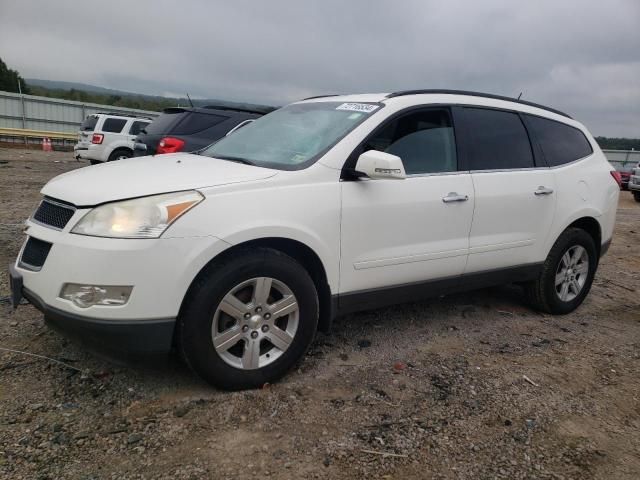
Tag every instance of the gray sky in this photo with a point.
(580, 56)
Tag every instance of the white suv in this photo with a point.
(237, 256)
(104, 137)
(634, 183)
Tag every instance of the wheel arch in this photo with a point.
(590, 225)
(296, 249)
(119, 147)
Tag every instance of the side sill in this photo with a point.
(381, 297)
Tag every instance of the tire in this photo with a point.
(120, 154)
(544, 295)
(95, 162)
(636, 196)
(230, 365)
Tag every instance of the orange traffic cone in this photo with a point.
(46, 145)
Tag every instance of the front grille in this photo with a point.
(34, 254)
(53, 214)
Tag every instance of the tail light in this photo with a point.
(170, 145)
(97, 138)
(617, 177)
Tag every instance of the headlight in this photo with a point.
(146, 217)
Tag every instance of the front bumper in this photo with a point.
(128, 337)
(160, 271)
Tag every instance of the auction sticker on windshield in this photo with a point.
(358, 107)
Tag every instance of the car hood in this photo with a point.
(138, 177)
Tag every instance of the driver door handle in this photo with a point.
(543, 190)
(455, 197)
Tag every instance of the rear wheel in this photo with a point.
(249, 319)
(567, 274)
(120, 154)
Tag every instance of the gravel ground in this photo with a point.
(431, 390)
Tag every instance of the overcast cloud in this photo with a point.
(580, 56)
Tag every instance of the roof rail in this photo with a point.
(123, 114)
(262, 110)
(320, 96)
(403, 93)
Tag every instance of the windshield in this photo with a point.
(292, 137)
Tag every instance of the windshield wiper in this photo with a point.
(236, 159)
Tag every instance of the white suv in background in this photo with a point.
(634, 183)
(236, 256)
(104, 137)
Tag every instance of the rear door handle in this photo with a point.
(543, 190)
(455, 197)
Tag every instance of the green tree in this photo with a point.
(9, 79)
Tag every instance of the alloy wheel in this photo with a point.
(255, 323)
(572, 273)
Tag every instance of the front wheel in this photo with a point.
(567, 274)
(248, 319)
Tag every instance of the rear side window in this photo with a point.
(136, 127)
(89, 123)
(498, 140)
(196, 122)
(163, 123)
(113, 125)
(560, 143)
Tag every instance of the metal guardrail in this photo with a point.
(623, 160)
(45, 113)
(21, 133)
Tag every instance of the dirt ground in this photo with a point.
(431, 390)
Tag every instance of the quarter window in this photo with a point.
(498, 140)
(113, 125)
(424, 141)
(560, 143)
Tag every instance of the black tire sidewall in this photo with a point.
(116, 153)
(636, 196)
(197, 318)
(568, 240)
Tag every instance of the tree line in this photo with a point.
(9, 80)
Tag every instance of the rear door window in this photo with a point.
(498, 140)
(560, 143)
(195, 122)
(113, 125)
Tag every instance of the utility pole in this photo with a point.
(24, 118)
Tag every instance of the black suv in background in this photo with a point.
(188, 129)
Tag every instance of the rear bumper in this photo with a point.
(90, 152)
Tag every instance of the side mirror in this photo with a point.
(379, 166)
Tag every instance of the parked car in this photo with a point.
(180, 129)
(634, 183)
(104, 137)
(237, 256)
(625, 169)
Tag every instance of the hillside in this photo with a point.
(83, 92)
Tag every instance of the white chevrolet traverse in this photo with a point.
(237, 256)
